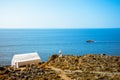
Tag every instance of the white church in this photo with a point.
(25, 59)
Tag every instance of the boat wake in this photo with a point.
(107, 41)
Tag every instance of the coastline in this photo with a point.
(89, 66)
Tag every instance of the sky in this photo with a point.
(59, 13)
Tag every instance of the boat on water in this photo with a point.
(89, 41)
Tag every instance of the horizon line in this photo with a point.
(65, 28)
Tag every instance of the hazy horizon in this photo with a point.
(62, 28)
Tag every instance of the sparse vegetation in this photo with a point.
(86, 67)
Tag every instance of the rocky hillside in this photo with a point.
(89, 62)
(88, 67)
(33, 72)
(67, 67)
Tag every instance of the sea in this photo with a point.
(49, 41)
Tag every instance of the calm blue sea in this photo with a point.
(49, 41)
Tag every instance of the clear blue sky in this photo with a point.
(59, 13)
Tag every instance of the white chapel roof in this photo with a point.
(25, 57)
